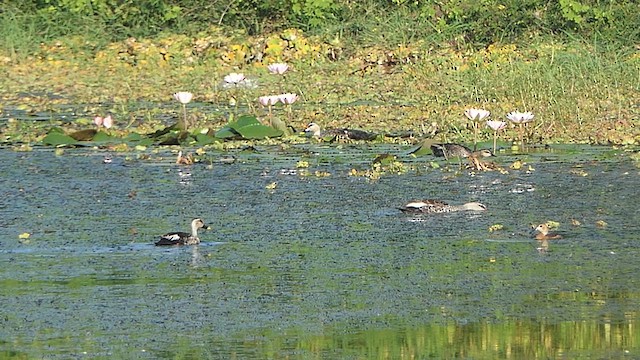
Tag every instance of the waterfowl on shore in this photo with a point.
(183, 238)
(437, 206)
(544, 233)
(450, 150)
(314, 130)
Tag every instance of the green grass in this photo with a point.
(382, 79)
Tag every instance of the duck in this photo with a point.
(314, 130)
(183, 238)
(544, 233)
(449, 150)
(437, 206)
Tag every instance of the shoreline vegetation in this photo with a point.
(580, 78)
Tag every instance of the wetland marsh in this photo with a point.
(320, 265)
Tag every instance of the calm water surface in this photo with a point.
(319, 267)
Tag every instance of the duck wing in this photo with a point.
(422, 206)
(175, 238)
(359, 134)
(439, 150)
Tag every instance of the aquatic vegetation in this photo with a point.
(247, 127)
(476, 115)
(234, 79)
(184, 97)
(520, 119)
(496, 126)
(278, 68)
(106, 121)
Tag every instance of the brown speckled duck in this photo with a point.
(544, 233)
(314, 130)
(450, 150)
(437, 206)
(183, 238)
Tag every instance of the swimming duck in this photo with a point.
(183, 238)
(437, 206)
(449, 150)
(544, 233)
(314, 130)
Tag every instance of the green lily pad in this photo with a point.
(204, 139)
(226, 133)
(58, 139)
(103, 137)
(247, 127)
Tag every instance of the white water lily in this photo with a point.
(477, 114)
(278, 68)
(269, 100)
(288, 98)
(183, 97)
(496, 125)
(520, 117)
(234, 78)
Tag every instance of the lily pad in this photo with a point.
(59, 139)
(247, 127)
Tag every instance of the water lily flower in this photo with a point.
(278, 68)
(496, 126)
(183, 97)
(269, 100)
(107, 121)
(520, 117)
(288, 98)
(234, 78)
(477, 114)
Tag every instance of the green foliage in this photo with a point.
(55, 138)
(25, 24)
(247, 127)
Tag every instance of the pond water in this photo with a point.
(319, 266)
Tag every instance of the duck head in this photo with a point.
(312, 129)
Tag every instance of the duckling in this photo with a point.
(183, 238)
(437, 206)
(544, 233)
(314, 130)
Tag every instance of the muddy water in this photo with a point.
(318, 267)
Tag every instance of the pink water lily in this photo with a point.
(278, 68)
(107, 121)
(288, 98)
(183, 97)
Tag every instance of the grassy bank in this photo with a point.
(579, 92)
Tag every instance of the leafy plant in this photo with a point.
(247, 127)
